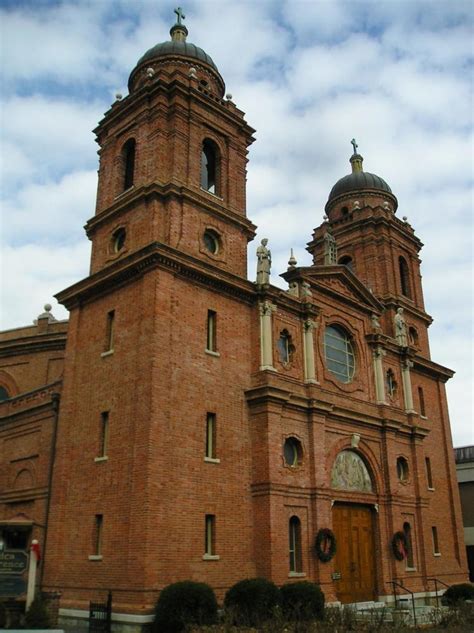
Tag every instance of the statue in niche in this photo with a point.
(401, 334)
(264, 262)
(330, 249)
(350, 473)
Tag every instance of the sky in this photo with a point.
(310, 75)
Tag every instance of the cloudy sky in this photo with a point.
(311, 75)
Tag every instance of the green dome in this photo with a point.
(181, 49)
(358, 181)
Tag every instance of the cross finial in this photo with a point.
(180, 14)
(354, 145)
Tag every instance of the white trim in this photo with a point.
(95, 557)
(212, 460)
(212, 353)
(109, 352)
(211, 557)
(103, 458)
(297, 574)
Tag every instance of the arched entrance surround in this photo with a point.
(354, 485)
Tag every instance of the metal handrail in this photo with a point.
(398, 584)
(436, 581)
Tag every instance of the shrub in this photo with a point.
(37, 616)
(458, 593)
(302, 601)
(252, 601)
(185, 603)
(3, 615)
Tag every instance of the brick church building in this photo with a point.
(189, 423)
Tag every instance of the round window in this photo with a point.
(339, 353)
(292, 451)
(118, 239)
(402, 469)
(211, 241)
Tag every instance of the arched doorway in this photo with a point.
(353, 525)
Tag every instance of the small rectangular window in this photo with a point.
(429, 476)
(421, 399)
(210, 535)
(98, 525)
(109, 334)
(211, 331)
(434, 531)
(104, 433)
(211, 436)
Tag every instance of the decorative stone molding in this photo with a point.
(308, 349)
(266, 309)
(378, 354)
(406, 381)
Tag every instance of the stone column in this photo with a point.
(266, 343)
(308, 349)
(407, 392)
(378, 355)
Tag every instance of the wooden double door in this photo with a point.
(354, 563)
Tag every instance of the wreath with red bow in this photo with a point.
(325, 545)
(400, 545)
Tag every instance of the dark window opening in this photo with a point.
(410, 561)
(421, 399)
(404, 277)
(344, 212)
(210, 436)
(295, 545)
(109, 333)
(413, 336)
(210, 535)
(434, 531)
(211, 344)
(429, 475)
(118, 239)
(347, 261)
(14, 537)
(285, 347)
(128, 163)
(104, 433)
(211, 241)
(209, 167)
(391, 383)
(292, 452)
(402, 469)
(98, 524)
(3, 394)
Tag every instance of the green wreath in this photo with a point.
(325, 545)
(400, 545)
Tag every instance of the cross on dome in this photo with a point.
(354, 145)
(180, 14)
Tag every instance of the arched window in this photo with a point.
(413, 336)
(410, 561)
(295, 545)
(285, 347)
(347, 261)
(209, 167)
(391, 383)
(403, 471)
(404, 276)
(339, 353)
(128, 154)
(3, 394)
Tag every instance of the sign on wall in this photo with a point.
(13, 562)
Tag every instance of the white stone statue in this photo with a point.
(264, 262)
(400, 328)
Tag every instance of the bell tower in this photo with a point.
(155, 372)
(374, 244)
(173, 157)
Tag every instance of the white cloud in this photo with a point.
(310, 76)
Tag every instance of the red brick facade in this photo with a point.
(155, 382)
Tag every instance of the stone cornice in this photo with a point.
(16, 496)
(135, 195)
(156, 255)
(394, 302)
(432, 369)
(43, 342)
(178, 85)
(31, 401)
